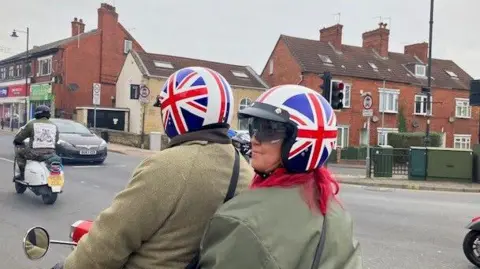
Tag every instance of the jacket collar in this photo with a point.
(217, 135)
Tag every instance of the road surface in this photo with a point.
(397, 228)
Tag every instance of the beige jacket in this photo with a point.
(158, 220)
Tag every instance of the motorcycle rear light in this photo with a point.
(475, 219)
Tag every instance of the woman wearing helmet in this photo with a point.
(159, 219)
(290, 218)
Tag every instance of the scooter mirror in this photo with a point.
(36, 243)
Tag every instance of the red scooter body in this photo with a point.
(79, 229)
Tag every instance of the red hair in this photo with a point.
(319, 185)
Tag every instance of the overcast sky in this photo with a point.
(244, 32)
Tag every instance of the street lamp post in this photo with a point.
(25, 61)
(429, 78)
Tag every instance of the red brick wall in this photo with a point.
(287, 71)
(92, 62)
(285, 67)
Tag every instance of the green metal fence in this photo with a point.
(387, 161)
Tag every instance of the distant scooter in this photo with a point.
(42, 178)
(471, 242)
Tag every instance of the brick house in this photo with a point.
(61, 74)
(152, 70)
(394, 80)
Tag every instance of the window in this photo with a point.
(420, 70)
(18, 71)
(461, 141)
(342, 136)
(11, 71)
(127, 46)
(163, 64)
(451, 74)
(347, 92)
(374, 67)
(388, 100)
(462, 108)
(3, 73)
(239, 74)
(382, 135)
(29, 69)
(421, 106)
(134, 91)
(325, 59)
(270, 66)
(243, 123)
(44, 66)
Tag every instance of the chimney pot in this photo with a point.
(78, 27)
(75, 19)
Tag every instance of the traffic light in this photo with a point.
(337, 95)
(327, 80)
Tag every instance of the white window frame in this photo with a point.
(420, 67)
(127, 46)
(325, 59)
(423, 108)
(11, 71)
(3, 73)
(452, 74)
(48, 59)
(161, 64)
(386, 131)
(382, 92)
(459, 103)
(270, 67)
(239, 74)
(343, 131)
(373, 66)
(347, 95)
(244, 102)
(464, 141)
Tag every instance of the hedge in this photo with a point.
(407, 140)
(401, 142)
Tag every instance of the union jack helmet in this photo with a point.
(310, 120)
(193, 98)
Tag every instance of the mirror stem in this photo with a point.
(57, 242)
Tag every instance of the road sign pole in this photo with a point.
(95, 118)
(367, 162)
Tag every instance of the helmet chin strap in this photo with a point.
(268, 172)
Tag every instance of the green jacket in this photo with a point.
(273, 228)
(39, 131)
(158, 220)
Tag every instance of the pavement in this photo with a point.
(397, 228)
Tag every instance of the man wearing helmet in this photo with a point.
(43, 135)
(158, 220)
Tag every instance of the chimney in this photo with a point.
(78, 27)
(420, 50)
(377, 39)
(107, 16)
(332, 34)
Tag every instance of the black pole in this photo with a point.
(429, 78)
(26, 78)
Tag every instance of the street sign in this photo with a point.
(96, 93)
(144, 94)
(367, 102)
(367, 112)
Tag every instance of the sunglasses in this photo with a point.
(266, 130)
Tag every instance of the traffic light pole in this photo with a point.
(429, 78)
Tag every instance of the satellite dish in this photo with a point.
(73, 87)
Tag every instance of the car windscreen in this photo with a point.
(71, 127)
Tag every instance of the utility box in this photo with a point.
(383, 161)
(449, 163)
(417, 163)
(155, 141)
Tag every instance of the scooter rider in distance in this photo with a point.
(43, 136)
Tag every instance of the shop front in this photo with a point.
(13, 105)
(40, 94)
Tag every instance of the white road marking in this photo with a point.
(6, 160)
